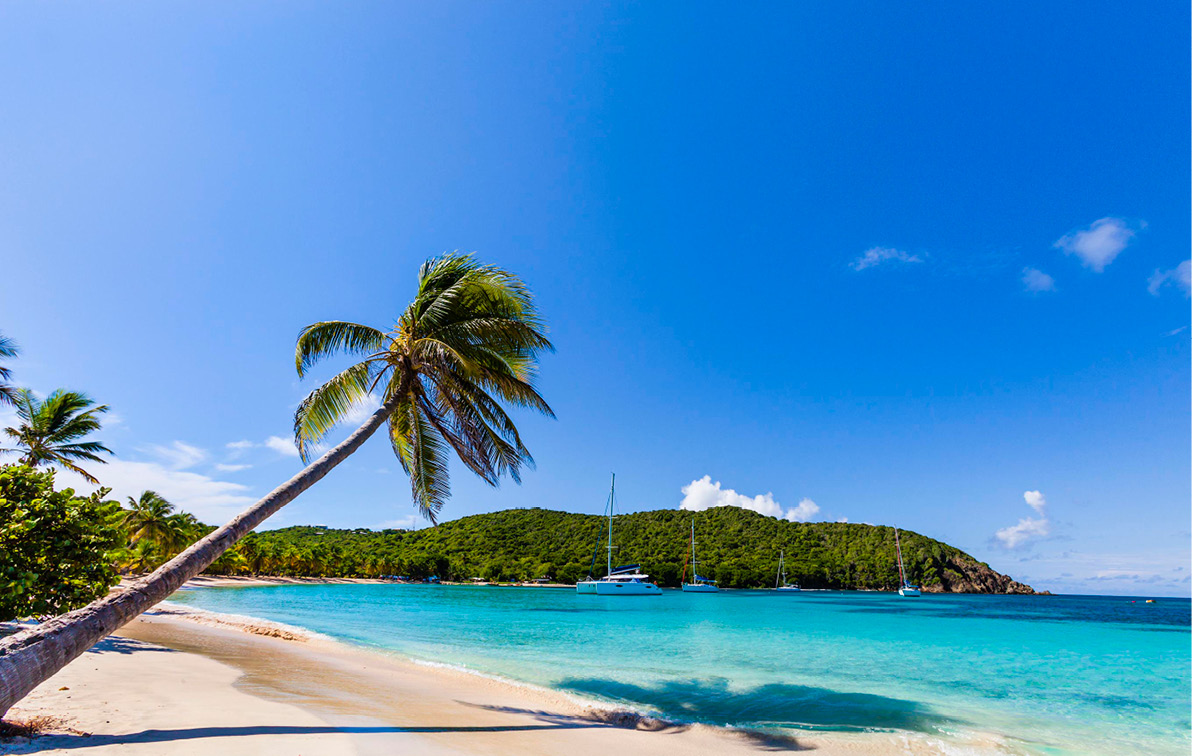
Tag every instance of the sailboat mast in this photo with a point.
(693, 575)
(898, 545)
(781, 568)
(612, 497)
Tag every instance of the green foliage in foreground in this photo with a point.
(56, 549)
(737, 547)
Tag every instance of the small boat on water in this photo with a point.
(626, 580)
(780, 583)
(907, 589)
(698, 584)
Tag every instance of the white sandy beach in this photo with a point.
(181, 681)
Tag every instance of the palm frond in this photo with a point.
(331, 337)
(326, 406)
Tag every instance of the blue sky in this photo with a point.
(914, 265)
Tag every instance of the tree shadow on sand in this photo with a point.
(767, 706)
(114, 644)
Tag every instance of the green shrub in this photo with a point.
(56, 549)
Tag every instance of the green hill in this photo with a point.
(736, 546)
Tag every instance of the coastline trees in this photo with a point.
(469, 342)
(50, 431)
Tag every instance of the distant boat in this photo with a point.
(780, 583)
(698, 584)
(907, 589)
(626, 580)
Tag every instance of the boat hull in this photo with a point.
(627, 589)
(787, 589)
(585, 586)
(909, 592)
(700, 588)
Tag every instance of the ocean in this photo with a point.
(1017, 674)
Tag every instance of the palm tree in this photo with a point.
(49, 431)
(470, 340)
(151, 518)
(8, 350)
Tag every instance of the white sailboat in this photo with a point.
(698, 584)
(626, 580)
(906, 588)
(780, 583)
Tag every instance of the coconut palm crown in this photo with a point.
(51, 431)
(469, 341)
(150, 518)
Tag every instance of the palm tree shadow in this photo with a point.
(626, 719)
(766, 706)
(115, 644)
(73, 741)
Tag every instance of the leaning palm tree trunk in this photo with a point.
(31, 656)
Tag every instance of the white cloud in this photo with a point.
(240, 445)
(878, 255)
(231, 468)
(409, 522)
(1099, 244)
(842, 519)
(361, 411)
(1036, 501)
(1180, 275)
(1028, 528)
(1034, 279)
(178, 455)
(284, 446)
(212, 501)
(804, 511)
(702, 494)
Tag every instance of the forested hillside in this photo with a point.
(738, 547)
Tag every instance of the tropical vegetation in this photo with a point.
(468, 344)
(58, 550)
(8, 350)
(51, 431)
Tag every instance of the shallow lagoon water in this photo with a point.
(1045, 674)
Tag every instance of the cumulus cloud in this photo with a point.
(1034, 279)
(283, 446)
(1028, 528)
(1099, 244)
(702, 494)
(878, 255)
(212, 501)
(178, 455)
(1179, 276)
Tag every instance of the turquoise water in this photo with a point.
(1045, 674)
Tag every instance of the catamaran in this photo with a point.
(698, 584)
(625, 580)
(780, 583)
(907, 589)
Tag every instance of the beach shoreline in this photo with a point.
(180, 680)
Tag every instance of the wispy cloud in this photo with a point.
(1098, 244)
(178, 455)
(212, 501)
(702, 494)
(878, 255)
(283, 446)
(231, 468)
(1034, 279)
(1028, 528)
(240, 445)
(1179, 276)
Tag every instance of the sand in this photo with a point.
(182, 681)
